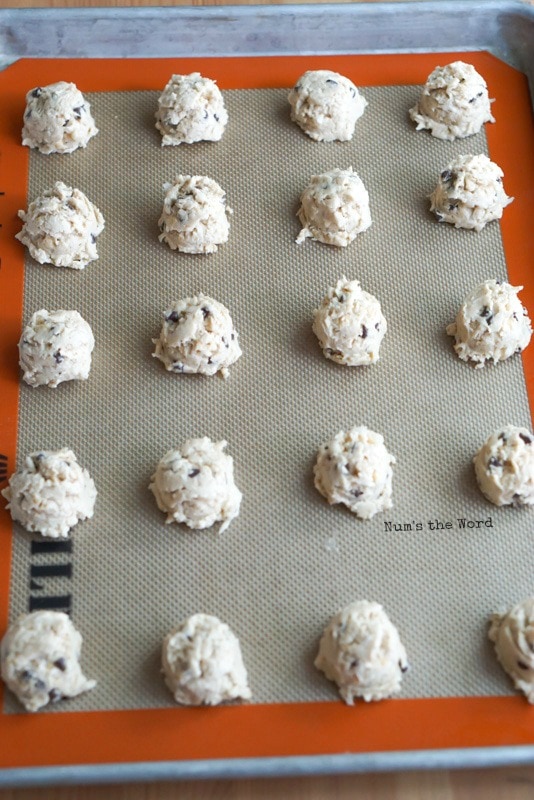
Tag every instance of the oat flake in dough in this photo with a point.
(326, 105)
(202, 663)
(454, 102)
(191, 109)
(349, 325)
(513, 636)
(61, 227)
(491, 324)
(334, 208)
(362, 652)
(469, 193)
(57, 119)
(51, 493)
(194, 218)
(55, 346)
(39, 658)
(504, 467)
(197, 336)
(355, 469)
(195, 485)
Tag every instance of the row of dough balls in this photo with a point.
(197, 337)
(194, 484)
(454, 103)
(61, 226)
(355, 469)
(202, 664)
(198, 334)
(490, 326)
(334, 207)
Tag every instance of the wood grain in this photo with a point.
(490, 784)
(499, 784)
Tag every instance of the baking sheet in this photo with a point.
(290, 560)
(308, 356)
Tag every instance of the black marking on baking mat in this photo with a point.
(39, 598)
(38, 571)
(65, 546)
(3, 468)
(51, 571)
(56, 603)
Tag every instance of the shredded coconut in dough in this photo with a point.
(334, 208)
(504, 467)
(195, 485)
(491, 325)
(513, 635)
(454, 102)
(355, 469)
(40, 656)
(60, 228)
(195, 215)
(191, 109)
(198, 336)
(202, 663)
(470, 193)
(51, 493)
(326, 105)
(361, 651)
(57, 119)
(56, 346)
(350, 325)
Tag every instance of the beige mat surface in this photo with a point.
(289, 561)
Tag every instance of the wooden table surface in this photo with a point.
(514, 783)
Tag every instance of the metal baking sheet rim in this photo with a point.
(294, 766)
(502, 27)
(505, 29)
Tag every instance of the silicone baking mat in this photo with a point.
(440, 561)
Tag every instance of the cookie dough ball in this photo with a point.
(51, 493)
(198, 336)
(56, 346)
(202, 663)
(326, 105)
(361, 651)
(350, 325)
(491, 325)
(195, 485)
(504, 467)
(334, 208)
(57, 119)
(40, 656)
(355, 469)
(191, 109)
(513, 635)
(469, 193)
(60, 228)
(195, 215)
(454, 102)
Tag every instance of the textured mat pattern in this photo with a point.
(289, 561)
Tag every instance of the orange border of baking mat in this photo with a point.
(287, 729)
